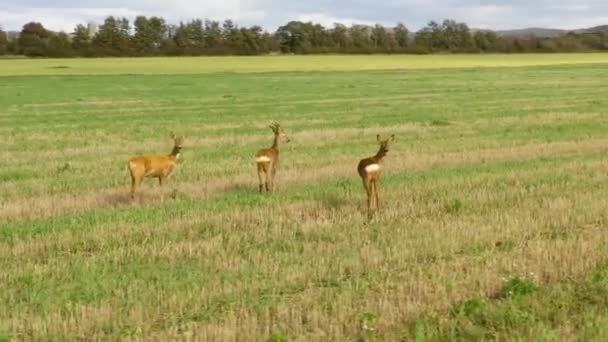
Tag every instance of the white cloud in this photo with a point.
(486, 17)
(329, 21)
(494, 14)
(61, 19)
(241, 11)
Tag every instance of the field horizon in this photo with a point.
(283, 63)
(492, 220)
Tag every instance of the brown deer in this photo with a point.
(160, 167)
(267, 158)
(369, 170)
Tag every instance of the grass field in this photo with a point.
(492, 226)
(198, 65)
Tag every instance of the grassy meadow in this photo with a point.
(493, 199)
(279, 63)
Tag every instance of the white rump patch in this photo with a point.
(372, 168)
(262, 159)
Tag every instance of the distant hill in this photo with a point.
(601, 28)
(547, 32)
(531, 31)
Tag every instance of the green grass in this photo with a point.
(493, 199)
(564, 310)
(203, 65)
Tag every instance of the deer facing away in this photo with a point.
(159, 167)
(266, 159)
(369, 170)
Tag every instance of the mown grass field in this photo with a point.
(200, 65)
(493, 219)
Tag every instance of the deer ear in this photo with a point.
(172, 135)
(378, 138)
(392, 137)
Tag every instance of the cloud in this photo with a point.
(494, 14)
(329, 21)
(60, 19)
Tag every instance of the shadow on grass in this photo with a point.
(333, 201)
(120, 198)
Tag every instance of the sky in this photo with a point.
(63, 15)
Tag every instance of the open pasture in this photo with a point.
(493, 201)
(205, 65)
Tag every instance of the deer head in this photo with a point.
(279, 133)
(385, 143)
(178, 142)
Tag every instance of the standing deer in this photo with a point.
(160, 167)
(369, 170)
(267, 158)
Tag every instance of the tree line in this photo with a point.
(152, 36)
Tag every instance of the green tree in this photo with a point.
(60, 45)
(180, 38)
(455, 36)
(360, 34)
(253, 40)
(320, 38)
(142, 37)
(213, 34)
(113, 35)
(190, 35)
(232, 36)
(270, 42)
(124, 27)
(33, 39)
(340, 37)
(293, 37)
(3, 42)
(485, 40)
(228, 28)
(591, 41)
(401, 35)
(149, 33)
(59, 41)
(449, 36)
(424, 37)
(80, 37)
(391, 42)
(379, 37)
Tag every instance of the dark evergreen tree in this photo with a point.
(113, 36)
(401, 34)
(81, 40)
(3, 43)
(33, 40)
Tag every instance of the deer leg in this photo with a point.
(133, 186)
(375, 183)
(135, 183)
(273, 172)
(370, 199)
(366, 184)
(261, 178)
(268, 177)
(161, 183)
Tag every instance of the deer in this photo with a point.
(266, 159)
(369, 170)
(160, 167)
